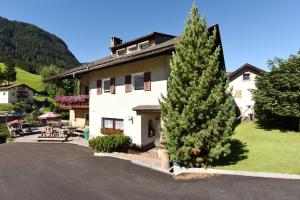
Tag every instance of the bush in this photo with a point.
(110, 143)
(3, 133)
(6, 107)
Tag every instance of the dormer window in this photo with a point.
(121, 52)
(132, 48)
(144, 45)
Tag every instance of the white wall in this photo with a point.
(245, 86)
(120, 104)
(4, 96)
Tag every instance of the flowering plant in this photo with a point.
(72, 99)
(111, 131)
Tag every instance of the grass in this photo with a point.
(256, 149)
(32, 80)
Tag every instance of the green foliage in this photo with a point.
(57, 87)
(31, 47)
(198, 112)
(277, 98)
(32, 80)
(3, 133)
(10, 74)
(6, 107)
(110, 143)
(23, 107)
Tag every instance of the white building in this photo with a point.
(16, 93)
(242, 82)
(124, 88)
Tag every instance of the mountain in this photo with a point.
(32, 80)
(31, 47)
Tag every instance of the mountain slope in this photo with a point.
(30, 46)
(32, 80)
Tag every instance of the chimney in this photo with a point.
(115, 41)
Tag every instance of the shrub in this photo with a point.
(6, 107)
(3, 133)
(110, 143)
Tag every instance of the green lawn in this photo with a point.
(260, 150)
(32, 80)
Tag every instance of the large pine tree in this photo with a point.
(198, 112)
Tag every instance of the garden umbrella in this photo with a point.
(48, 116)
(14, 122)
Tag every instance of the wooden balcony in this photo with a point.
(73, 102)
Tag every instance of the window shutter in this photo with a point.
(112, 87)
(99, 87)
(147, 81)
(128, 84)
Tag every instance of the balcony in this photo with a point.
(71, 102)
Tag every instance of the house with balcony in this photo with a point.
(16, 93)
(124, 88)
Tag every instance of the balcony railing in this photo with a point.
(70, 102)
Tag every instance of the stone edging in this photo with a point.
(182, 170)
(178, 171)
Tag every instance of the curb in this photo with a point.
(178, 171)
(181, 170)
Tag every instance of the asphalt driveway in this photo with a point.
(66, 171)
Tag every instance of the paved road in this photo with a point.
(66, 171)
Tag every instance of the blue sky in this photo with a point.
(252, 31)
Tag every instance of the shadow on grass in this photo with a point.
(238, 152)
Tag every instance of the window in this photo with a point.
(138, 82)
(144, 45)
(106, 85)
(121, 52)
(132, 48)
(113, 123)
(238, 94)
(246, 77)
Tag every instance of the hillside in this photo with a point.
(32, 80)
(30, 46)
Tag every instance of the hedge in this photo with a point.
(110, 143)
(3, 133)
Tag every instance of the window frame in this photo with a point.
(119, 50)
(248, 74)
(103, 82)
(133, 80)
(113, 122)
(131, 51)
(142, 43)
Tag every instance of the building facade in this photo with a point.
(242, 82)
(124, 88)
(16, 93)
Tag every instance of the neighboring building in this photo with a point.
(124, 88)
(242, 82)
(16, 93)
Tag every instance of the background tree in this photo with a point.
(198, 112)
(2, 77)
(57, 87)
(10, 74)
(277, 98)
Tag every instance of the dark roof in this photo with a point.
(153, 34)
(6, 87)
(163, 48)
(147, 108)
(246, 66)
